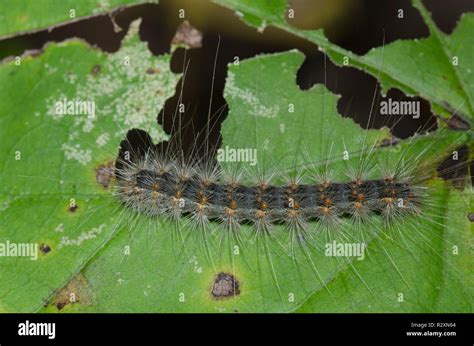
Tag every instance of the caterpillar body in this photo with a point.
(156, 187)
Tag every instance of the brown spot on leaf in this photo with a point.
(387, 142)
(45, 248)
(32, 52)
(188, 36)
(96, 70)
(153, 70)
(60, 305)
(104, 173)
(73, 208)
(457, 123)
(76, 291)
(471, 217)
(225, 286)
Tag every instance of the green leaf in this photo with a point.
(49, 159)
(115, 260)
(419, 67)
(22, 16)
(440, 280)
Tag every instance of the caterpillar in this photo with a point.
(165, 187)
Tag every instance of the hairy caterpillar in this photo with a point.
(167, 187)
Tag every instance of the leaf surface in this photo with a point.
(22, 16)
(51, 158)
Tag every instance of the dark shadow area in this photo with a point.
(361, 24)
(133, 147)
(456, 168)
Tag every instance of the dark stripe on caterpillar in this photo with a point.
(159, 192)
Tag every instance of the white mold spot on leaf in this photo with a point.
(257, 108)
(93, 233)
(74, 152)
(122, 96)
(102, 139)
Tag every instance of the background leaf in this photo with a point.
(419, 67)
(433, 277)
(116, 261)
(60, 155)
(24, 15)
